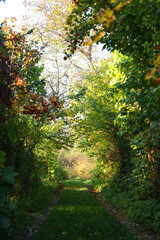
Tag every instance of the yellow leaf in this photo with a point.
(86, 43)
(157, 61)
(109, 13)
(150, 73)
(113, 1)
(101, 19)
(107, 22)
(98, 37)
(104, 15)
(119, 7)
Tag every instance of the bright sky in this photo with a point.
(13, 8)
(16, 8)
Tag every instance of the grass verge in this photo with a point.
(78, 216)
(141, 211)
(33, 204)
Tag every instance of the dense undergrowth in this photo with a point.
(122, 195)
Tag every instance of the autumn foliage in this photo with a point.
(25, 107)
(19, 90)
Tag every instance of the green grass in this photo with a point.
(33, 204)
(78, 216)
(146, 212)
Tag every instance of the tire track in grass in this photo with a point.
(139, 231)
(31, 230)
(78, 216)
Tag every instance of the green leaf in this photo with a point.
(8, 175)
(30, 31)
(10, 179)
(11, 134)
(3, 199)
(4, 188)
(4, 221)
(11, 131)
(123, 112)
(2, 158)
(153, 125)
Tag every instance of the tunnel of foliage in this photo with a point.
(131, 94)
(113, 114)
(117, 108)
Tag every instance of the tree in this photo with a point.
(93, 114)
(51, 33)
(132, 28)
(25, 108)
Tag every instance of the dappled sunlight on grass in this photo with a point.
(77, 215)
(74, 188)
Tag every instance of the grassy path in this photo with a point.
(78, 216)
